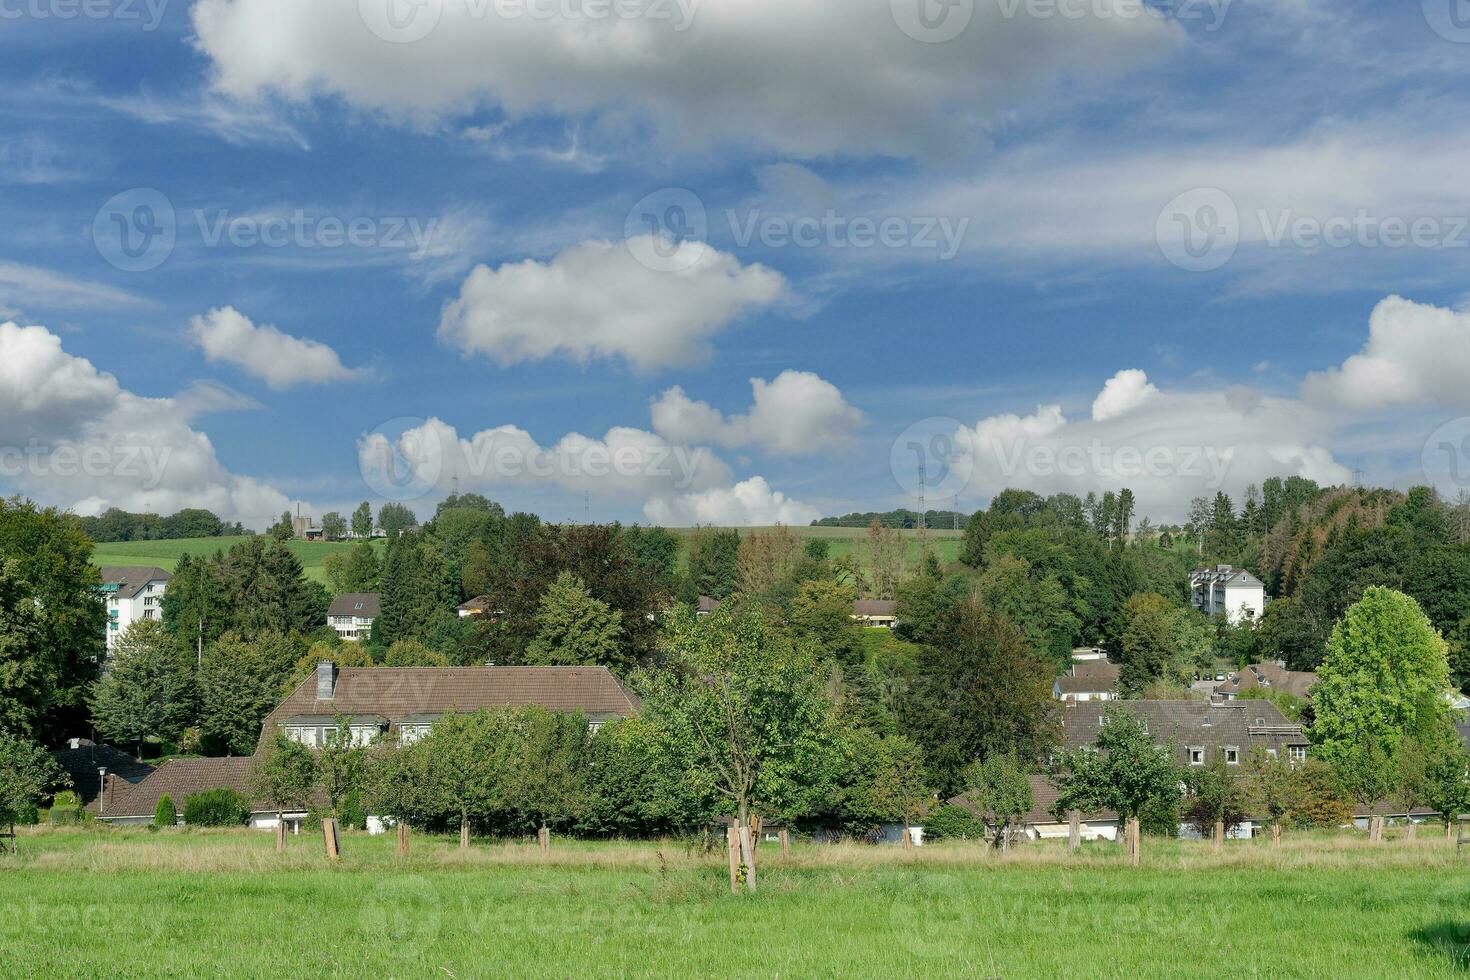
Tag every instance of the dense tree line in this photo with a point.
(116, 525)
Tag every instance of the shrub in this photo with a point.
(27, 815)
(66, 809)
(164, 814)
(952, 822)
(353, 815)
(216, 808)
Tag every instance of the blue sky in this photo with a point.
(508, 317)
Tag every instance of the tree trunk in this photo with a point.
(1219, 835)
(1135, 848)
(280, 832)
(747, 855)
(1074, 832)
(402, 837)
(464, 828)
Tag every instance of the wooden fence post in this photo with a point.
(1276, 834)
(1219, 835)
(543, 838)
(785, 843)
(747, 855)
(334, 843)
(464, 834)
(1074, 832)
(908, 839)
(402, 838)
(732, 849)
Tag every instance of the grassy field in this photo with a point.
(222, 904)
(166, 554)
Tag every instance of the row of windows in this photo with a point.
(1296, 753)
(363, 735)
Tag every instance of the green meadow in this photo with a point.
(166, 554)
(97, 902)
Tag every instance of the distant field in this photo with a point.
(166, 554)
(222, 904)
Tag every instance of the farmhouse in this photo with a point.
(876, 613)
(352, 615)
(1232, 592)
(131, 594)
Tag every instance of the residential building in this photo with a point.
(404, 703)
(131, 593)
(476, 608)
(1042, 822)
(706, 607)
(876, 613)
(1197, 729)
(89, 764)
(1231, 592)
(399, 703)
(352, 615)
(1088, 680)
(1275, 677)
(1088, 654)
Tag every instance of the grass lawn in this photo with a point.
(84, 902)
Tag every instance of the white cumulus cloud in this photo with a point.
(70, 434)
(261, 350)
(797, 413)
(596, 300)
(751, 503)
(1416, 354)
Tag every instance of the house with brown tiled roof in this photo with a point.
(352, 615)
(1043, 822)
(1297, 683)
(388, 702)
(1088, 680)
(88, 764)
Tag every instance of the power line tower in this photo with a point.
(587, 507)
(923, 504)
(956, 512)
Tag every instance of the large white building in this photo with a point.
(1228, 591)
(131, 594)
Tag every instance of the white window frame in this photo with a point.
(1232, 755)
(1199, 752)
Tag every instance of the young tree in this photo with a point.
(412, 653)
(713, 554)
(355, 570)
(767, 560)
(744, 714)
(1216, 799)
(284, 776)
(822, 613)
(1447, 787)
(195, 607)
(284, 529)
(469, 765)
(148, 690)
(334, 526)
(1273, 786)
(1384, 679)
(362, 521)
(22, 672)
(882, 782)
(574, 629)
(1000, 789)
(340, 764)
(547, 780)
(1410, 764)
(27, 774)
(1126, 771)
(1365, 771)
